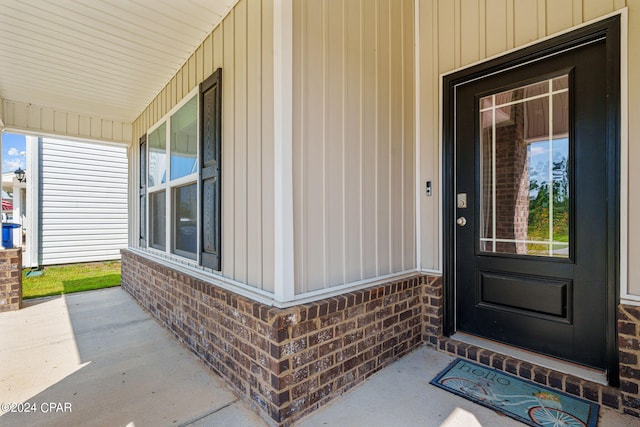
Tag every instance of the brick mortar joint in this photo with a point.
(352, 344)
(336, 361)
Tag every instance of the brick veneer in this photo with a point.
(629, 344)
(624, 399)
(286, 362)
(10, 279)
(289, 362)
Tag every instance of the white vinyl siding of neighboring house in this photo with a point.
(83, 201)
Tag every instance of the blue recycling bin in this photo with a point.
(7, 234)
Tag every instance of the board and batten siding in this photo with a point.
(456, 33)
(82, 201)
(242, 45)
(353, 141)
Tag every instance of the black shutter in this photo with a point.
(143, 191)
(210, 151)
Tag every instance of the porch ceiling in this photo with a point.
(107, 58)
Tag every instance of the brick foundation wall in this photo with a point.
(10, 279)
(289, 362)
(285, 362)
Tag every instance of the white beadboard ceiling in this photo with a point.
(107, 58)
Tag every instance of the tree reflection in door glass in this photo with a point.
(542, 205)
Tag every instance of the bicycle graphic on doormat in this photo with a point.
(544, 408)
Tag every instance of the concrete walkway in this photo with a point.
(97, 359)
(102, 354)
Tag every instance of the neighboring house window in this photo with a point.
(180, 203)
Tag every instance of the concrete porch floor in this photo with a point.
(97, 359)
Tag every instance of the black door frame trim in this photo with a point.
(609, 29)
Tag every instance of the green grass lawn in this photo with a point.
(65, 279)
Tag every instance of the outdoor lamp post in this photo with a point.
(20, 175)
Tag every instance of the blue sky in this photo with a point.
(539, 157)
(13, 152)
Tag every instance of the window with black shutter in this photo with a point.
(179, 173)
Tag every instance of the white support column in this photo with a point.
(18, 211)
(284, 287)
(134, 194)
(32, 202)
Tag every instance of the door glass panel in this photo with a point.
(561, 82)
(524, 179)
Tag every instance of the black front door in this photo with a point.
(532, 201)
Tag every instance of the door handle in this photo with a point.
(462, 221)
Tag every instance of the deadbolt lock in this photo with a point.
(462, 200)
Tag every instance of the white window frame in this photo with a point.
(170, 185)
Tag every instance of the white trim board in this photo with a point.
(190, 267)
(417, 140)
(284, 286)
(625, 296)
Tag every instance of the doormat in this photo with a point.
(523, 400)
